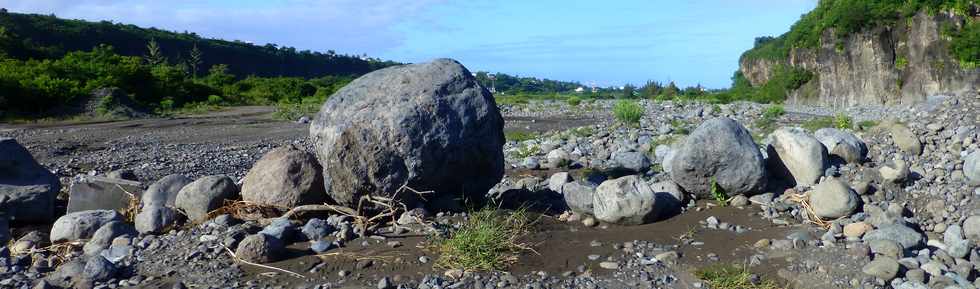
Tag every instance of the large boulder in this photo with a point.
(155, 219)
(843, 145)
(429, 126)
(205, 195)
(260, 248)
(164, 191)
(971, 168)
(285, 177)
(903, 235)
(81, 225)
(832, 199)
(631, 161)
(579, 197)
(797, 156)
(627, 200)
(721, 150)
(30, 188)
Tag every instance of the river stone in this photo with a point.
(557, 158)
(905, 139)
(204, 195)
(30, 188)
(631, 161)
(260, 248)
(104, 235)
(81, 225)
(844, 145)
(896, 172)
(558, 180)
(626, 200)
(971, 228)
(98, 269)
(832, 199)
(903, 235)
(794, 154)
(971, 168)
(579, 197)
(164, 191)
(285, 177)
(155, 219)
(722, 150)
(856, 230)
(882, 267)
(430, 126)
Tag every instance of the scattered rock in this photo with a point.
(720, 150)
(98, 269)
(794, 154)
(558, 180)
(905, 139)
(856, 230)
(832, 199)
(971, 228)
(164, 191)
(579, 198)
(844, 145)
(285, 177)
(882, 267)
(81, 225)
(104, 235)
(896, 172)
(98, 193)
(627, 200)
(971, 168)
(428, 125)
(316, 229)
(204, 195)
(155, 219)
(30, 189)
(903, 235)
(260, 248)
(631, 161)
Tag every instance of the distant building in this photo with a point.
(580, 89)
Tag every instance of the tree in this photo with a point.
(628, 90)
(652, 89)
(154, 56)
(195, 60)
(671, 89)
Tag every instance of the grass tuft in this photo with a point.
(733, 277)
(488, 240)
(718, 193)
(519, 136)
(628, 112)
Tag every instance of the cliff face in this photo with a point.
(882, 65)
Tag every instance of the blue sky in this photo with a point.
(600, 42)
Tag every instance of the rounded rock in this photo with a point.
(285, 177)
(203, 195)
(720, 150)
(832, 199)
(260, 248)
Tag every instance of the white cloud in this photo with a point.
(347, 26)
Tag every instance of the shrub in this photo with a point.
(842, 121)
(487, 240)
(774, 111)
(519, 136)
(628, 112)
(574, 101)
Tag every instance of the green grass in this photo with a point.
(774, 111)
(718, 193)
(839, 121)
(519, 136)
(680, 127)
(628, 112)
(733, 277)
(488, 240)
(525, 151)
(574, 101)
(585, 131)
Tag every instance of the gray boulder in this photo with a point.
(631, 161)
(30, 189)
(103, 236)
(204, 195)
(794, 154)
(164, 191)
(579, 197)
(971, 168)
(627, 200)
(155, 219)
(832, 199)
(430, 126)
(882, 267)
(905, 139)
(971, 228)
(260, 248)
(81, 225)
(285, 177)
(723, 150)
(903, 235)
(895, 172)
(843, 144)
(558, 180)
(98, 269)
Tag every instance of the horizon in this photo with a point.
(622, 46)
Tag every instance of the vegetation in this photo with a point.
(718, 193)
(574, 101)
(628, 112)
(519, 136)
(488, 240)
(511, 85)
(767, 123)
(733, 277)
(839, 121)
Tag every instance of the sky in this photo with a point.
(603, 43)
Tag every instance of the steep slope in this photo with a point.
(883, 57)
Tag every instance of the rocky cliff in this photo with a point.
(886, 65)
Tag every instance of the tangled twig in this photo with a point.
(239, 260)
(808, 213)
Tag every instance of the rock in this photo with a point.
(557, 158)
(886, 248)
(98, 269)
(721, 150)
(971, 228)
(385, 283)
(104, 235)
(316, 229)
(627, 200)
(882, 267)
(971, 168)
(903, 235)
(609, 265)
(97, 193)
(81, 225)
(897, 172)
(832, 199)
(905, 139)
(430, 126)
(844, 145)
(281, 229)
(556, 181)
(123, 174)
(320, 246)
(414, 216)
(30, 189)
(164, 191)
(631, 161)
(204, 195)
(260, 248)
(794, 154)
(155, 219)
(856, 230)
(579, 197)
(956, 245)
(68, 273)
(285, 177)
